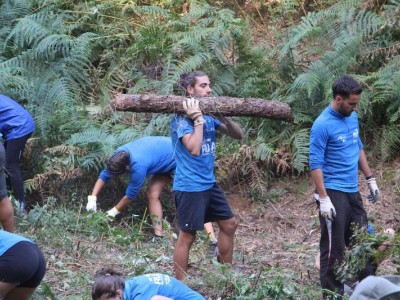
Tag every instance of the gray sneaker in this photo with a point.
(158, 239)
(213, 250)
(22, 207)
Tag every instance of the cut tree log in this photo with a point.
(216, 106)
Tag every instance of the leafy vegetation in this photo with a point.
(64, 60)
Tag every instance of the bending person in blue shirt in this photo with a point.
(110, 285)
(144, 157)
(198, 198)
(336, 154)
(16, 126)
(148, 156)
(22, 267)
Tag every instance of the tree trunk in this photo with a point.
(216, 106)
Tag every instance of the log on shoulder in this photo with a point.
(216, 106)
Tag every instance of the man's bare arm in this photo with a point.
(318, 179)
(363, 164)
(231, 128)
(193, 141)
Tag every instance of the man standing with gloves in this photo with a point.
(336, 154)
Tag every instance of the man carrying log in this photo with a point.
(198, 198)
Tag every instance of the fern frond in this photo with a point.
(30, 30)
(149, 9)
(264, 152)
(300, 149)
(390, 142)
(368, 23)
(308, 26)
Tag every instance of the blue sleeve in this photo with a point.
(138, 177)
(105, 176)
(183, 126)
(319, 137)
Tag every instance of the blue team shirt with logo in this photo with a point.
(148, 155)
(146, 286)
(193, 173)
(335, 148)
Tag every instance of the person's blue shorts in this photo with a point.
(197, 208)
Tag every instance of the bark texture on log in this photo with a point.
(216, 106)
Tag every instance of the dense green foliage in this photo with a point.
(60, 58)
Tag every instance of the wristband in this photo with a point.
(369, 177)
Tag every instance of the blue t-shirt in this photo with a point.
(148, 155)
(335, 148)
(193, 173)
(7, 240)
(15, 121)
(146, 286)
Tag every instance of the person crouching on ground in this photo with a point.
(111, 285)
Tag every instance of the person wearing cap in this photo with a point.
(16, 126)
(336, 155)
(378, 288)
(111, 285)
(198, 198)
(22, 266)
(152, 157)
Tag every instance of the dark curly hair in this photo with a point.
(189, 79)
(345, 86)
(108, 282)
(117, 164)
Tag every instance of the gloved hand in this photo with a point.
(374, 191)
(112, 212)
(92, 203)
(326, 208)
(192, 109)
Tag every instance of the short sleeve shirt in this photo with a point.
(194, 173)
(146, 286)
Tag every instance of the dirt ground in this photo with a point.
(286, 234)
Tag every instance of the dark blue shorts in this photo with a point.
(196, 208)
(3, 187)
(24, 264)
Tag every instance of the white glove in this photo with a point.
(112, 212)
(374, 191)
(326, 208)
(91, 203)
(192, 109)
